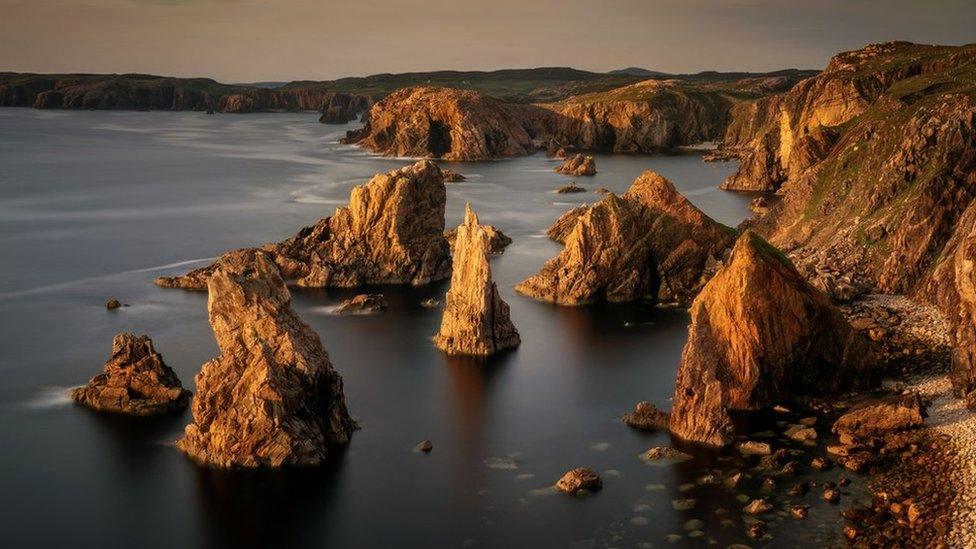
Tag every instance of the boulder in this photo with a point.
(135, 381)
(451, 176)
(390, 233)
(112, 304)
(572, 188)
(476, 320)
(760, 334)
(578, 164)
(579, 479)
(882, 415)
(271, 398)
(665, 453)
(648, 243)
(646, 417)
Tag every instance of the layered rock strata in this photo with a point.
(271, 398)
(135, 381)
(648, 243)
(392, 232)
(476, 320)
(760, 334)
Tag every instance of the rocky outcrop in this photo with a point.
(135, 381)
(883, 415)
(578, 164)
(572, 188)
(450, 124)
(271, 398)
(564, 225)
(497, 240)
(760, 334)
(362, 304)
(648, 243)
(476, 320)
(392, 232)
(579, 480)
(646, 417)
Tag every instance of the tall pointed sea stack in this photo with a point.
(392, 232)
(760, 334)
(648, 243)
(476, 321)
(272, 397)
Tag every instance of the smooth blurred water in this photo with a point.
(94, 205)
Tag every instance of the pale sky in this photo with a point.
(260, 40)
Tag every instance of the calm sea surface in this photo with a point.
(95, 205)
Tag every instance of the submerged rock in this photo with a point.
(476, 320)
(665, 453)
(646, 417)
(112, 304)
(570, 189)
(648, 243)
(579, 479)
(390, 233)
(272, 397)
(578, 164)
(451, 176)
(760, 333)
(135, 381)
(362, 304)
(424, 446)
(879, 416)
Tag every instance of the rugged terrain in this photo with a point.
(392, 232)
(875, 163)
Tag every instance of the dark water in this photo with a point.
(96, 205)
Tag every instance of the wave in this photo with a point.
(50, 396)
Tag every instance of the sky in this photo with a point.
(280, 40)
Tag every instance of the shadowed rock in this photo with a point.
(476, 320)
(135, 381)
(271, 398)
(648, 243)
(760, 334)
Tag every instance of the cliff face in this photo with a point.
(648, 243)
(271, 398)
(135, 381)
(759, 335)
(644, 117)
(875, 159)
(145, 92)
(448, 123)
(392, 232)
(476, 320)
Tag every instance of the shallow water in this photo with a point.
(94, 205)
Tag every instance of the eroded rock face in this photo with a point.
(135, 381)
(476, 320)
(271, 398)
(760, 334)
(648, 243)
(447, 123)
(577, 164)
(390, 233)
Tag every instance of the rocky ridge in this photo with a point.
(649, 242)
(476, 320)
(392, 232)
(272, 397)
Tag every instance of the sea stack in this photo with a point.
(392, 232)
(760, 334)
(271, 398)
(135, 381)
(476, 320)
(648, 243)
